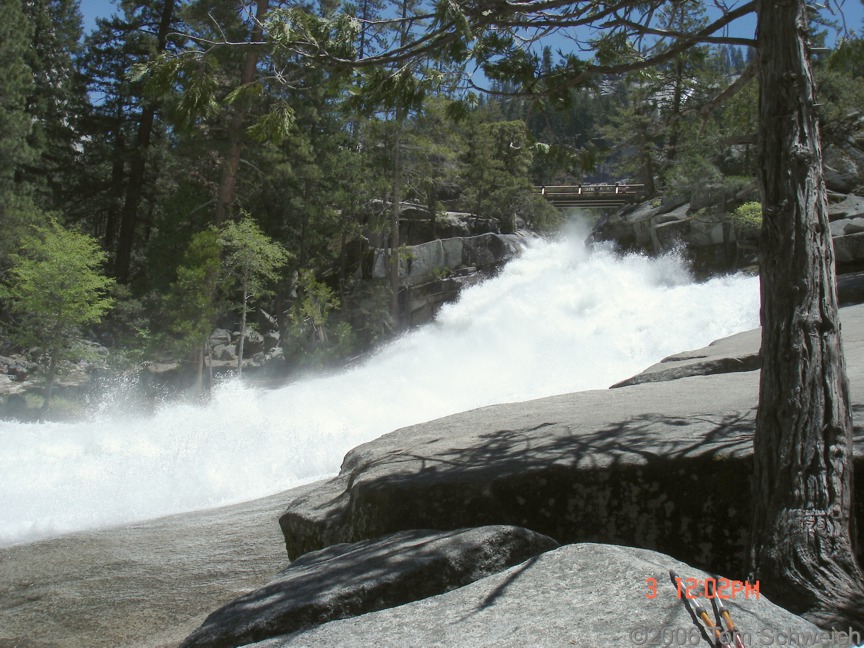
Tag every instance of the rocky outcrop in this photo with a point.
(348, 580)
(434, 272)
(420, 263)
(706, 233)
(416, 226)
(146, 585)
(258, 348)
(579, 595)
(700, 227)
(603, 466)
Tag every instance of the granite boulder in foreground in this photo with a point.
(349, 580)
(579, 595)
(661, 465)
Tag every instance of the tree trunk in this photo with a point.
(394, 219)
(199, 374)
(242, 327)
(675, 117)
(232, 163)
(135, 184)
(116, 181)
(209, 367)
(801, 546)
(49, 383)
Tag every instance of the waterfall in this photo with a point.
(558, 319)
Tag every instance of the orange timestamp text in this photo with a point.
(691, 588)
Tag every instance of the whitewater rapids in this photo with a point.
(558, 319)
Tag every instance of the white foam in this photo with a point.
(557, 320)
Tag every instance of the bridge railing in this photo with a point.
(590, 195)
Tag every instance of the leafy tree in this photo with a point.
(116, 190)
(191, 299)
(54, 290)
(225, 198)
(747, 219)
(251, 260)
(496, 165)
(161, 20)
(312, 341)
(635, 134)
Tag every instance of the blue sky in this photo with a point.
(93, 9)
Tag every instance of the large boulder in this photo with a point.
(579, 595)
(603, 466)
(253, 342)
(843, 165)
(434, 273)
(348, 580)
(739, 352)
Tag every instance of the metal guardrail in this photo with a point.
(591, 195)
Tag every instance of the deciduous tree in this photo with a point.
(56, 288)
(251, 261)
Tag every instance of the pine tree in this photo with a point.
(16, 152)
(57, 97)
(192, 298)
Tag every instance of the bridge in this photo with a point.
(591, 195)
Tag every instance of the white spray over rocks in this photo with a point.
(558, 319)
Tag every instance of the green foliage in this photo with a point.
(56, 287)
(274, 125)
(692, 173)
(840, 95)
(634, 137)
(367, 309)
(252, 258)
(748, 219)
(191, 301)
(16, 83)
(441, 273)
(495, 169)
(313, 341)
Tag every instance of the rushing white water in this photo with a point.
(558, 319)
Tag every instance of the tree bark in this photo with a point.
(225, 198)
(135, 184)
(50, 377)
(801, 537)
(394, 218)
(242, 344)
